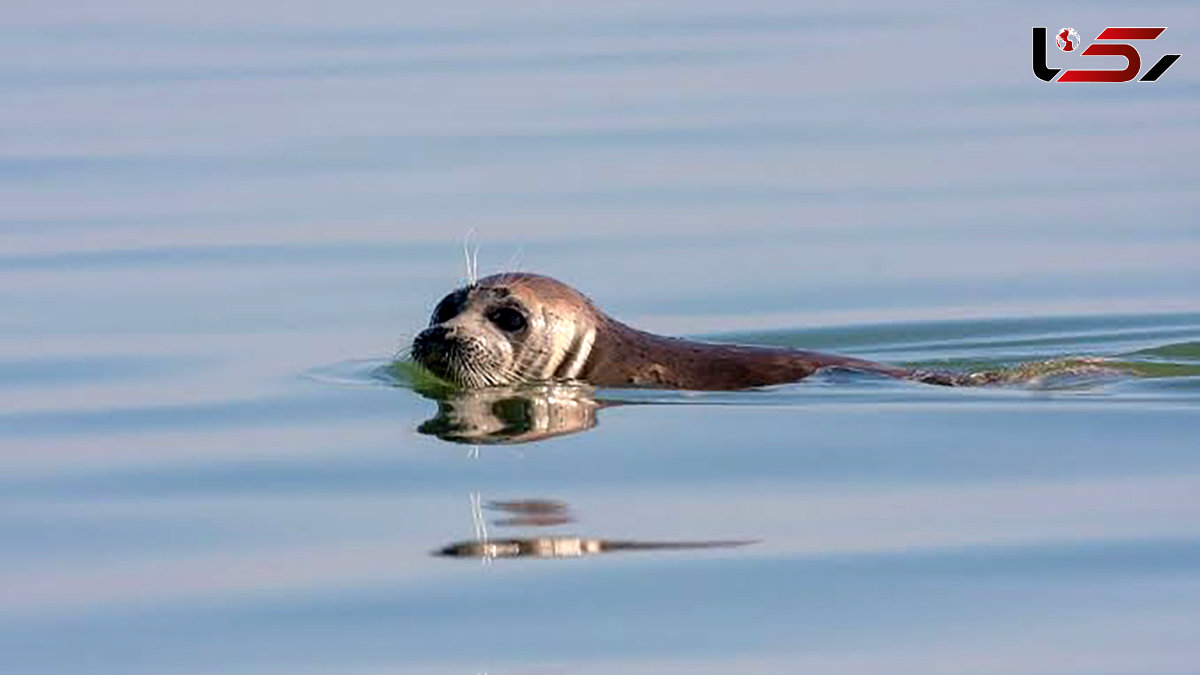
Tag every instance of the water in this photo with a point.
(220, 222)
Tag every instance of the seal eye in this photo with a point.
(507, 319)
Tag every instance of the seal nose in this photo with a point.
(438, 333)
(431, 345)
(432, 339)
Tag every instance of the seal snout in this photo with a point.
(457, 354)
(432, 347)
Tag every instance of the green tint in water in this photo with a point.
(1182, 350)
(413, 376)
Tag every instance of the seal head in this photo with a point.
(507, 329)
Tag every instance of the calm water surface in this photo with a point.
(218, 223)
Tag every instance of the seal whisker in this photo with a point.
(514, 264)
(467, 264)
(471, 257)
(404, 349)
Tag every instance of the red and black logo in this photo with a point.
(1067, 40)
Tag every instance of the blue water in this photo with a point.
(219, 223)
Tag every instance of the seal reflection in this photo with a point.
(511, 415)
(525, 414)
(548, 513)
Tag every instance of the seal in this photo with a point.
(516, 328)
